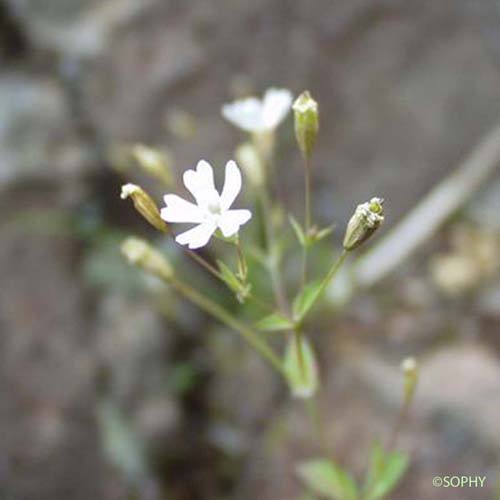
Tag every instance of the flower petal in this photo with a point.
(245, 113)
(198, 236)
(232, 185)
(231, 221)
(200, 183)
(179, 210)
(275, 107)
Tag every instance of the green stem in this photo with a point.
(200, 260)
(332, 272)
(307, 214)
(328, 279)
(222, 315)
(242, 262)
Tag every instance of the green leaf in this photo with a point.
(301, 368)
(320, 234)
(299, 232)
(327, 479)
(274, 323)
(386, 470)
(306, 299)
(229, 277)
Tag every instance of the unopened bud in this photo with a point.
(410, 372)
(145, 205)
(249, 160)
(305, 109)
(141, 254)
(154, 162)
(366, 220)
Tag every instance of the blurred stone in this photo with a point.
(36, 137)
(73, 27)
(46, 374)
(157, 420)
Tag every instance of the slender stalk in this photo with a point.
(332, 272)
(242, 262)
(400, 423)
(225, 317)
(272, 261)
(307, 215)
(200, 260)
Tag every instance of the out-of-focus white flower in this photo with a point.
(211, 210)
(256, 115)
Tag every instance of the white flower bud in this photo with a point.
(366, 220)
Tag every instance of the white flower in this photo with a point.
(256, 115)
(211, 210)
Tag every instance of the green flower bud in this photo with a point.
(145, 205)
(141, 254)
(365, 221)
(305, 109)
(410, 371)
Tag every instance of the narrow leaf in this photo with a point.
(386, 470)
(301, 368)
(306, 299)
(327, 479)
(299, 232)
(274, 323)
(323, 233)
(229, 277)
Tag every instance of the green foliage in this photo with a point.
(241, 290)
(386, 470)
(274, 323)
(301, 368)
(299, 232)
(327, 479)
(306, 298)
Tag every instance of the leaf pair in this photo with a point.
(313, 236)
(325, 478)
(302, 304)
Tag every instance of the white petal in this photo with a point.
(245, 113)
(276, 105)
(231, 221)
(200, 183)
(179, 210)
(232, 185)
(198, 236)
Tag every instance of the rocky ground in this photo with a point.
(102, 394)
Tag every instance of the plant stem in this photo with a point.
(200, 260)
(307, 214)
(332, 272)
(242, 262)
(297, 335)
(400, 422)
(225, 317)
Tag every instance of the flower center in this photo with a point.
(214, 208)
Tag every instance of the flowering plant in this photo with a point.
(212, 214)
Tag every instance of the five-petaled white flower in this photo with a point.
(211, 210)
(256, 115)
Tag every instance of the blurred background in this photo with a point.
(108, 390)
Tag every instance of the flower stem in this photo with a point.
(200, 260)
(329, 277)
(242, 262)
(307, 215)
(225, 317)
(297, 335)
